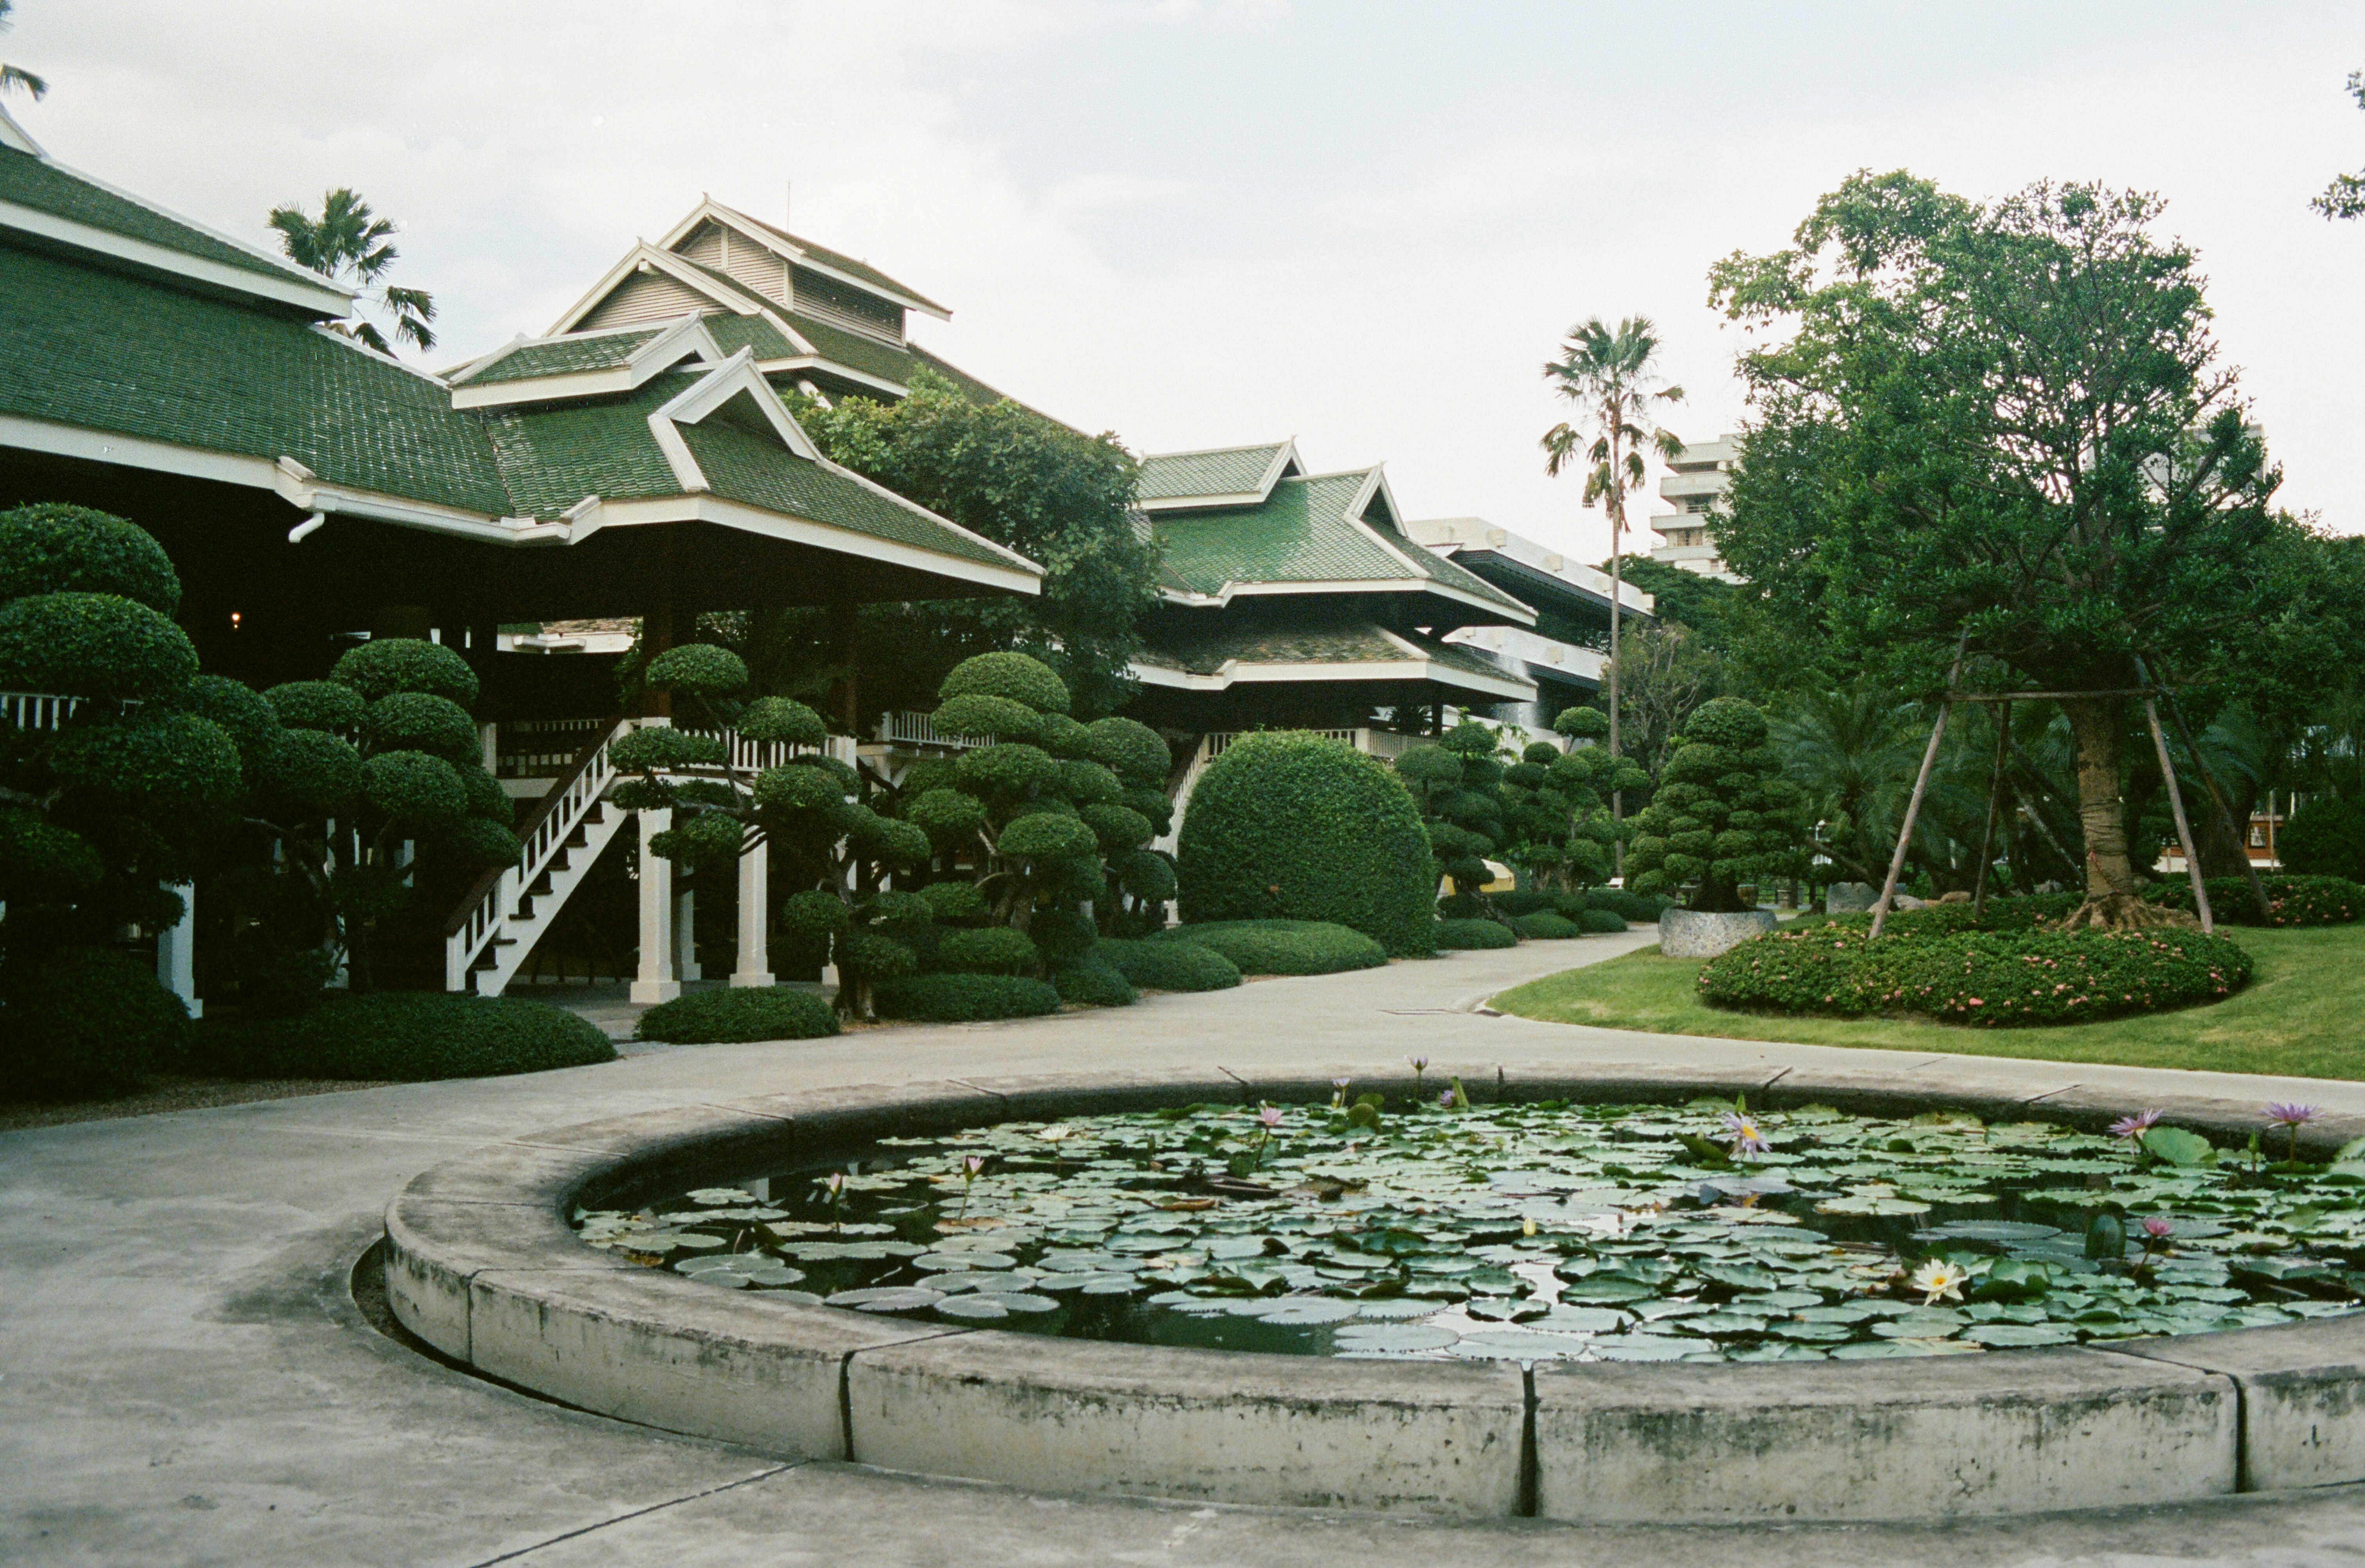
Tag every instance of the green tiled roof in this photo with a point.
(745, 467)
(104, 351)
(732, 331)
(853, 351)
(552, 455)
(1181, 643)
(1446, 572)
(563, 356)
(1235, 471)
(36, 183)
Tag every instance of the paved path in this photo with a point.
(184, 1377)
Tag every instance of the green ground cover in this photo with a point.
(2298, 1016)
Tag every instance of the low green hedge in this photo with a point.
(965, 999)
(1094, 985)
(1515, 904)
(1638, 907)
(988, 951)
(1168, 966)
(410, 1036)
(1283, 947)
(1465, 935)
(1545, 927)
(2290, 901)
(1991, 977)
(2023, 912)
(712, 1017)
(1601, 921)
(85, 1021)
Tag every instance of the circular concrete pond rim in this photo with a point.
(483, 1264)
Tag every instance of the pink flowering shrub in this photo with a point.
(1989, 977)
(2290, 901)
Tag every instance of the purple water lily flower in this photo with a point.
(1747, 1139)
(2135, 1125)
(1445, 1098)
(2286, 1113)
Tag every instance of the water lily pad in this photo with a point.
(1395, 1336)
(711, 1197)
(1299, 1311)
(886, 1298)
(1645, 1347)
(2002, 1335)
(1393, 1309)
(964, 1262)
(1514, 1345)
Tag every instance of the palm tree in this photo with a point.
(1611, 378)
(351, 245)
(13, 78)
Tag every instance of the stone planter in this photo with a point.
(1687, 934)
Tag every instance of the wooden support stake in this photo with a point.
(2176, 807)
(2217, 797)
(1913, 806)
(1995, 795)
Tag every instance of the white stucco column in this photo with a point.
(755, 964)
(176, 952)
(685, 936)
(656, 980)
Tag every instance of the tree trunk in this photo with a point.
(2111, 902)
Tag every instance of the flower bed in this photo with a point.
(1988, 978)
(2290, 901)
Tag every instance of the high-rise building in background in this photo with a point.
(1700, 476)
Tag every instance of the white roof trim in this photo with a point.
(735, 376)
(1234, 672)
(684, 338)
(13, 135)
(289, 288)
(734, 298)
(764, 234)
(1025, 578)
(1232, 591)
(1284, 459)
(838, 368)
(60, 440)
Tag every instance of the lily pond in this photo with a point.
(1539, 1232)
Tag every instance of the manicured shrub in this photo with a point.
(954, 903)
(414, 721)
(780, 721)
(998, 718)
(240, 710)
(965, 999)
(1093, 985)
(1458, 936)
(1639, 908)
(1528, 902)
(83, 1021)
(1284, 946)
(1010, 676)
(92, 644)
(1168, 966)
(412, 787)
(707, 1018)
(1062, 935)
(52, 547)
(1988, 978)
(2290, 901)
(384, 665)
(407, 1036)
(1292, 826)
(2324, 838)
(316, 705)
(988, 951)
(1545, 927)
(156, 755)
(1128, 748)
(1600, 921)
(701, 668)
(1722, 814)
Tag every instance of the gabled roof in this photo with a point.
(1542, 577)
(805, 253)
(46, 202)
(581, 365)
(1223, 476)
(1315, 533)
(1222, 653)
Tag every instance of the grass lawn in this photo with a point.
(2303, 1014)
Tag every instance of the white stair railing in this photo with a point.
(493, 913)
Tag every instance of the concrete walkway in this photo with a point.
(185, 1379)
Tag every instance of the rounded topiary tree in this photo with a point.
(1722, 814)
(1288, 825)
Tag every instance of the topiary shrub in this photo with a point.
(1521, 903)
(965, 999)
(1291, 826)
(1456, 936)
(1600, 921)
(1992, 979)
(1010, 675)
(92, 644)
(51, 547)
(955, 904)
(414, 721)
(1168, 966)
(407, 1036)
(1722, 814)
(714, 1017)
(316, 705)
(2324, 838)
(384, 665)
(85, 1021)
(1093, 985)
(2290, 901)
(1062, 935)
(1545, 927)
(699, 668)
(1636, 907)
(1284, 946)
(988, 951)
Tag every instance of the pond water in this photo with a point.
(1539, 1232)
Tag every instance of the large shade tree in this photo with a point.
(2002, 430)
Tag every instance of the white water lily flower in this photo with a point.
(1937, 1278)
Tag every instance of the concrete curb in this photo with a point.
(483, 1264)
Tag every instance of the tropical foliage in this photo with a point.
(351, 245)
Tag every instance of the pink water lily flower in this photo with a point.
(1271, 1116)
(2135, 1125)
(2159, 1228)
(974, 1164)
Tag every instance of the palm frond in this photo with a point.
(14, 78)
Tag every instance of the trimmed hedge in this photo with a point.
(1094, 985)
(1988, 978)
(410, 1036)
(1637, 908)
(1288, 825)
(86, 1021)
(1600, 921)
(2324, 838)
(1464, 935)
(1168, 966)
(2290, 901)
(1545, 927)
(713, 1017)
(1284, 946)
(988, 951)
(965, 999)
(1530, 902)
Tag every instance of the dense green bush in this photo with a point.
(384, 665)
(709, 1017)
(2290, 901)
(1284, 946)
(51, 547)
(1988, 978)
(1168, 966)
(1461, 935)
(2019, 912)
(1528, 902)
(1288, 825)
(92, 644)
(85, 1021)
(1722, 815)
(1639, 908)
(2325, 838)
(965, 999)
(1600, 921)
(1545, 927)
(1093, 985)
(988, 951)
(405, 1037)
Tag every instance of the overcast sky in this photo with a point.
(1201, 222)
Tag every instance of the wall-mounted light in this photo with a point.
(234, 619)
